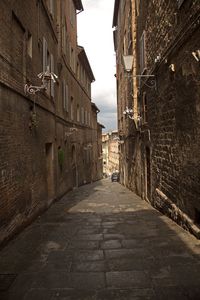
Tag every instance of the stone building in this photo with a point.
(97, 159)
(113, 160)
(124, 19)
(110, 142)
(166, 59)
(105, 138)
(44, 138)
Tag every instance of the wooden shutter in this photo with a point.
(44, 55)
(52, 70)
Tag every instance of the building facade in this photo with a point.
(167, 56)
(110, 145)
(105, 138)
(124, 23)
(45, 136)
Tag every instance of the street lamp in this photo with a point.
(133, 116)
(148, 80)
(128, 65)
(128, 62)
(196, 55)
(46, 77)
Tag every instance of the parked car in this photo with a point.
(115, 177)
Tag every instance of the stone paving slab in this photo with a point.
(101, 242)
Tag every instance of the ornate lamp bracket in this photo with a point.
(129, 112)
(147, 80)
(46, 77)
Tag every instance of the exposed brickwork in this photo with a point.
(41, 158)
(173, 109)
(164, 155)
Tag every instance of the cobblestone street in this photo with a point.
(101, 242)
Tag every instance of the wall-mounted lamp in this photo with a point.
(128, 62)
(128, 65)
(130, 114)
(196, 55)
(46, 77)
(118, 140)
(88, 146)
(172, 67)
(71, 131)
(157, 59)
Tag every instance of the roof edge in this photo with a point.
(82, 55)
(115, 15)
(78, 4)
(94, 105)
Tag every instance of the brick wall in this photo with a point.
(173, 108)
(33, 171)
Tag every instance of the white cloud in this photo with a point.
(95, 34)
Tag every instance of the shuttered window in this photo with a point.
(65, 96)
(72, 108)
(143, 52)
(82, 115)
(52, 7)
(52, 70)
(44, 54)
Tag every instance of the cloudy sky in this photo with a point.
(95, 34)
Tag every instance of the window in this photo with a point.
(142, 52)
(52, 70)
(197, 216)
(47, 62)
(144, 108)
(88, 87)
(52, 7)
(65, 95)
(137, 7)
(30, 45)
(64, 39)
(86, 117)
(72, 13)
(46, 56)
(82, 115)
(78, 113)
(44, 53)
(125, 44)
(78, 71)
(72, 59)
(72, 108)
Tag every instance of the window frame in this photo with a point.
(144, 108)
(65, 95)
(52, 69)
(72, 108)
(142, 47)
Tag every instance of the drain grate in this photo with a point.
(6, 280)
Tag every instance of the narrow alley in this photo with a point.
(101, 242)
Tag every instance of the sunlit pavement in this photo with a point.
(101, 242)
